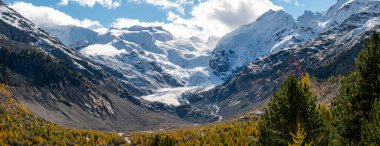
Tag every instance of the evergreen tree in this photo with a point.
(158, 140)
(293, 104)
(371, 127)
(360, 90)
(331, 137)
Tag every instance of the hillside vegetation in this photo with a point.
(239, 131)
(19, 127)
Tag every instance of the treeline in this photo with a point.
(295, 118)
(19, 127)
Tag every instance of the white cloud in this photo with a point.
(211, 18)
(90, 3)
(46, 16)
(218, 17)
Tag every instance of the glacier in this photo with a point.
(149, 58)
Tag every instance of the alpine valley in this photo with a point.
(145, 79)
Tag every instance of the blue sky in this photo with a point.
(148, 12)
(313, 5)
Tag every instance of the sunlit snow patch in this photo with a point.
(99, 49)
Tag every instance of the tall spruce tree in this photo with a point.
(294, 104)
(359, 92)
(370, 134)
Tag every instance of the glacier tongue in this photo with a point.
(169, 96)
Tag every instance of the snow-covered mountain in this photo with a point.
(277, 30)
(153, 61)
(343, 9)
(258, 39)
(62, 85)
(165, 69)
(336, 37)
(72, 36)
(149, 58)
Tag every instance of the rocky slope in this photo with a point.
(331, 52)
(61, 85)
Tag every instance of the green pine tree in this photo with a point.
(371, 127)
(293, 104)
(331, 137)
(360, 90)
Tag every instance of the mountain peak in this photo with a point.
(248, 42)
(272, 13)
(308, 17)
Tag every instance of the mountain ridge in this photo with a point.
(229, 58)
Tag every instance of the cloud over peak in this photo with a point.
(46, 16)
(208, 18)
